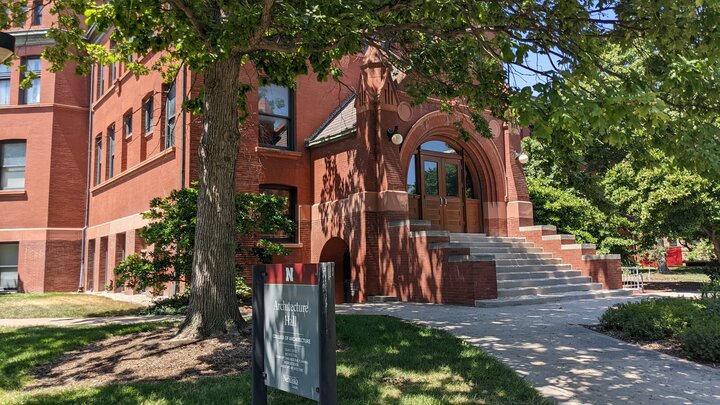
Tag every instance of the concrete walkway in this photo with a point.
(68, 322)
(566, 362)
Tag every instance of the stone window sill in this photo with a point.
(278, 153)
(12, 194)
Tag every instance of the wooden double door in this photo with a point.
(442, 190)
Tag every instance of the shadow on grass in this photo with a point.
(22, 349)
(380, 360)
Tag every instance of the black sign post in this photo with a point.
(294, 331)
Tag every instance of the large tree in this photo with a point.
(453, 50)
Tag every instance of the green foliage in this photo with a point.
(664, 201)
(171, 237)
(569, 212)
(175, 305)
(713, 272)
(633, 70)
(653, 319)
(711, 290)
(695, 324)
(701, 340)
(702, 251)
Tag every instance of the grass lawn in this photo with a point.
(381, 360)
(62, 305)
(677, 275)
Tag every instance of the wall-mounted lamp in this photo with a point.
(394, 136)
(522, 157)
(7, 46)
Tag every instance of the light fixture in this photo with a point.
(522, 157)
(394, 136)
(7, 46)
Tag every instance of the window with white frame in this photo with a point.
(4, 84)
(101, 81)
(31, 95)
(9, 266)
(148, 114)
(111, 151)
(170, 118)
(127, 124)
(12, 165)
(98, 160)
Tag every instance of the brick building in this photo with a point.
(431, 219)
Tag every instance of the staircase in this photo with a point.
(525, 273)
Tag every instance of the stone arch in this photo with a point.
(336, 250)
(480, 152)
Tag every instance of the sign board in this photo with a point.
(294, 331)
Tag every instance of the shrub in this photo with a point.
(711, 290)
(713, 272)
(175, 305)
(701, 340)
(702, 251)
(652, 319)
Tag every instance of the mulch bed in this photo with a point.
(670, 286)
(668, 346)
(146, 356)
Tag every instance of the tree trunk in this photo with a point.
(213, 308)
(716, 244)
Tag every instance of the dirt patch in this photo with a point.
(147, 356)
(667, 346)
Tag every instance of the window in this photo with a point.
(290, 194)
(412, 176)
(37, 12)
(275, 117)
(170, 116)
(98, 160)
(22, 18)
(148, 110)
(8, 266)
(12, 165)
(4, 84)
(113, 73)
(31, 95)
(127, 124)
(111, 151)
(101, 81)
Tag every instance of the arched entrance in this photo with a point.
(337, 251)
(444, 187)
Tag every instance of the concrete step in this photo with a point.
(498, 250)
(474, 244)
(544, 290)
(519, 258)
(548, 298)
(538, 274)
(514, 268)
(540, 282)
(473, 238)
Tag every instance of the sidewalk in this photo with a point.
(67, 322)
(565, 361)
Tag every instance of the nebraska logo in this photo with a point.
(289, 274)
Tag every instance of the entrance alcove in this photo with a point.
(444, 187)
(338, 252)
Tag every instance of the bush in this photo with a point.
(652, 319)
(711, 290)
(176, 305)
(702, 251)
(713, 272)
(701, 340)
